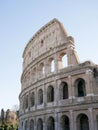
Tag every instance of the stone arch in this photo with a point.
(50, 123)
(51, 65)
(22, 125)
(41, 69)
(63, 60)
(34, 73)
(26, 125)
(40, 96)
(40, 124)
(32, 99)
(64, 123)
(31, 124)
(82, 122)
(63, 90)
(50, 94)
(80, 87)
(25, 104)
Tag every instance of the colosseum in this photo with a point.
(58, 91)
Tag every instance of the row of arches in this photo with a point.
(40, 44)
(50, 94)
(43, 68)
(64, 123)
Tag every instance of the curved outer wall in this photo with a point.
(55, 95)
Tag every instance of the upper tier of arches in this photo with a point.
(45, 41)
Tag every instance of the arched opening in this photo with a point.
(64, 123)
(31, 124)
(26, 125)
(26, 102)
(63, 90)
(22, 126)
(52, 65)
(39, 124)
(34, 74)
(50, 124)
(64, 60)
(41, 69)
(32, 99)
(40, 96)
(80, 87)
(50, 94)
(95, 72)
(82, 122)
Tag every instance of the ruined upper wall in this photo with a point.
(45, 32)
(49, 36)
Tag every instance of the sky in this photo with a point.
(21, 19)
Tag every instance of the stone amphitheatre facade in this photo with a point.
(58, 92)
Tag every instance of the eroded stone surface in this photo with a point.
(58, 92)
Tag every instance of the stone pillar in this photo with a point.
(56, 62)
(72, 124)
(56, 93)
(89, 86)
(59, 122)
(95, 120)
(70, 87)
(91, 119)
(47, 67)
(35, 124)
(59, 63)
(56, 121)
(45, 96)
(71, 54)
(28, 125)
(35, 98)
(75, 121)
(23, 106)
(36, 73)
(44, 123)
(29, 102)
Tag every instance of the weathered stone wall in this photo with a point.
(58, 92)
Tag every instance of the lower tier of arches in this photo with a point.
(66, 120)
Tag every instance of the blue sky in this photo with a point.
(20, 19)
